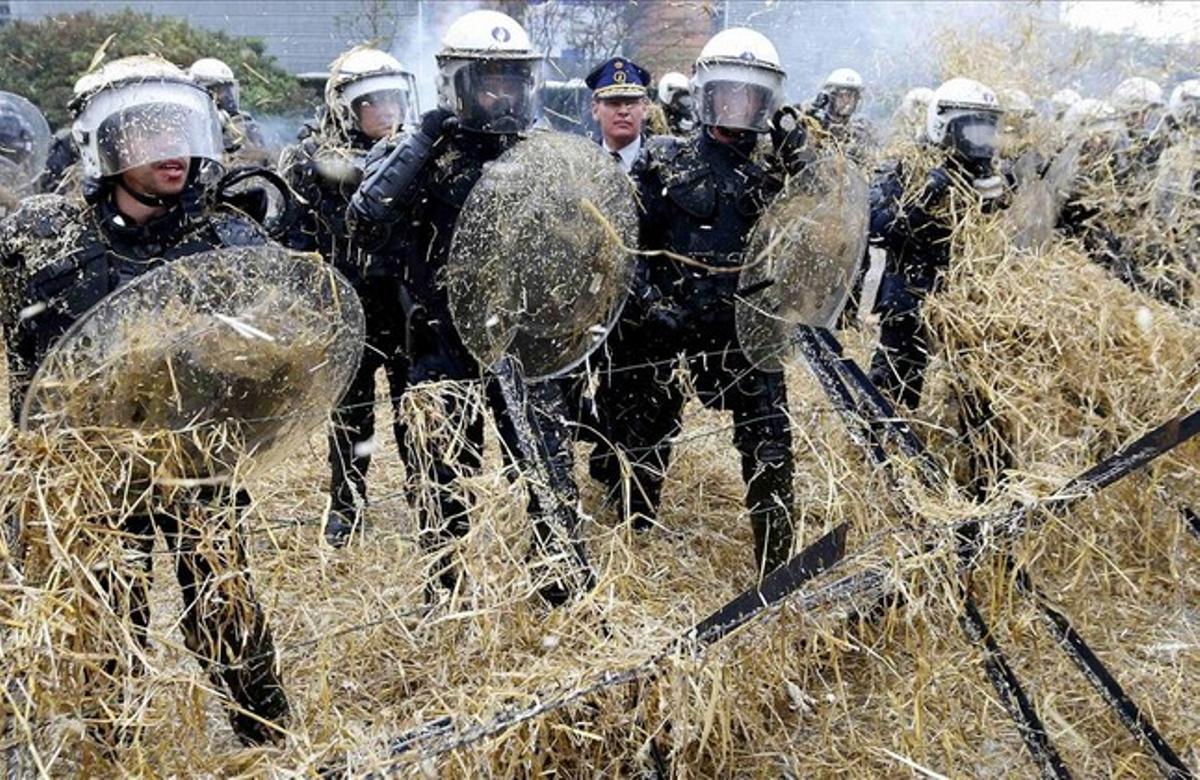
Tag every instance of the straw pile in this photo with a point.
(1073, 362)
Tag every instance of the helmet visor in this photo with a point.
(16, 136)
(382, 100)
(496, 96)
(138, 124)
(737, 96)
(226, 97)
(843, 101)
(975, 136)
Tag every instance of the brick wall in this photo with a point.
(668, 34)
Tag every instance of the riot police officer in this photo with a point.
(839, 99)
(1061, 101)
(675, 97)
(914, 229)
(1096, 135)
(145, 131)
(369, 97)
(406, 210)
(239, 130)
(962, 124)
(701, 197)
(908, 121)
(1139, 101)
(1181, 124)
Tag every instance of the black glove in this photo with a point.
(436, 123)
(936, 187)
(818, 110)
(789, 137)
(665, 316)
(392, 184)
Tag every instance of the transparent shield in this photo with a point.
(24, 144)
(232, 352)
(1033, 215)
(539, 264)
(801, 259)
(1176, 193)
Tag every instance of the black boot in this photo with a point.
(769, 499)
(560, 563)
(340, 525)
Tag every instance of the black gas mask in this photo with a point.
(972, 140)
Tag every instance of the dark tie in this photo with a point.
(616, 156)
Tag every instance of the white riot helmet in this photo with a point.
(370, 90)
(1091, 115)
(1184, 105)
(910, 116)
(1136, 99)
(1017, 103)
(1096, 127)
(141, 110)
(217, 77)
(1136, 94)
(671, 86)
(964, 116)
(844, 87)
(738, 81)
(1062, 100)
(488, 73)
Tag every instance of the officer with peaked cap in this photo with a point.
(619, 106)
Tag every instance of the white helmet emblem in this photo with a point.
(748, 56)
(500, 34)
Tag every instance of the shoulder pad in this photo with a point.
(233, 228)
(44, 231)
(887, 168)
(42, 216)
(306, 131)
(382, 148)
(663, 148)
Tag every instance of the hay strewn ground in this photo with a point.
(1074, 363)
(799, 693)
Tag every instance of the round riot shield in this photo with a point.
(1176, 189)
(1031, 218)
(801, 259)
(231, 352)
(540, 265)
(24, 145)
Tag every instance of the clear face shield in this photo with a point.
(226, 97)
(1190, 116)
(843, 101)
(146, 122)
(381, 104)
(16, 137)
(975, 138)
(737, 96)
(496, 96)
(1101, 143)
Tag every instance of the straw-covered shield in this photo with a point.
(540, 265)
(218, 355)
(24, 145)
(801, 259)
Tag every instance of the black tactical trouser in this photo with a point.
(898, 366)
(448, 517)
(641, 405)
(223, 624)
(354, 421)
(898, 369)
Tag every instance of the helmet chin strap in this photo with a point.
(152, 201)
